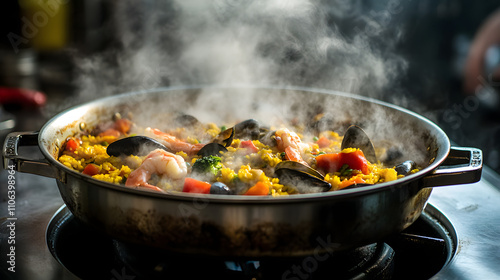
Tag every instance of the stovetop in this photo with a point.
(473, 210)
(428, 243)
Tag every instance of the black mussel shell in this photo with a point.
(249, 129)
(211, 149)
(392, 155)
(268, 138)
(225, 138)
(186, 120)
(356, 137)
(289, 164)
(134, 145)
(302, 181)
(405, 168)
(220, 188)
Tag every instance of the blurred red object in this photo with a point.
(24, 97)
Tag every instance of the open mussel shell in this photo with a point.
(301, 177)
(134, 145)
(356, 137)
(211, 149)
(225, 138)
(290, 164)
(249, 129)
(268, 138)
(405, 168)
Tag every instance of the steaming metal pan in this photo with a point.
(246, 225)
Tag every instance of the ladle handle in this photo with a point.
(13, 161)
(462, 166)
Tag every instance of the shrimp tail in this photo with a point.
(173, 143)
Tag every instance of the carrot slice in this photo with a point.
(123, 125)
(258, 189)
(347, 183)
(195, 186)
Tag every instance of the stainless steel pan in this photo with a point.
(242, 225)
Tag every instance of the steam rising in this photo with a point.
(273, 42)
(258, 42)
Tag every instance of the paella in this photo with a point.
(241, 158)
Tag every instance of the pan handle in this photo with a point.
(462, 166)
(13, 161)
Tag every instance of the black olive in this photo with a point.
(219, 188)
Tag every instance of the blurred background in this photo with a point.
(411, 53)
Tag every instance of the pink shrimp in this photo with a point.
(173, 143)
(290, 143)
(157, 162)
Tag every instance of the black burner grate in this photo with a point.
(417, 253)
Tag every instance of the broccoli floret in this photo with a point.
(207, 165)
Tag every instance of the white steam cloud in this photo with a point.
(264, 42)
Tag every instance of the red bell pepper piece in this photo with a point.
(72, 145)
(192, 185)
(333, 162)
(355, 160)
(329, 162)
(91, 169)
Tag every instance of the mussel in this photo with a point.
(225, 137)
(211, 149)
(392, 155)
(405, 168)
(134, 145)
(301, 177)
(356, 137)
(249, 129)
(186, 120)
(268, 138)
(290, 164)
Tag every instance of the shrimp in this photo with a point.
(173, 143)
(157, 162)
(290, 143)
